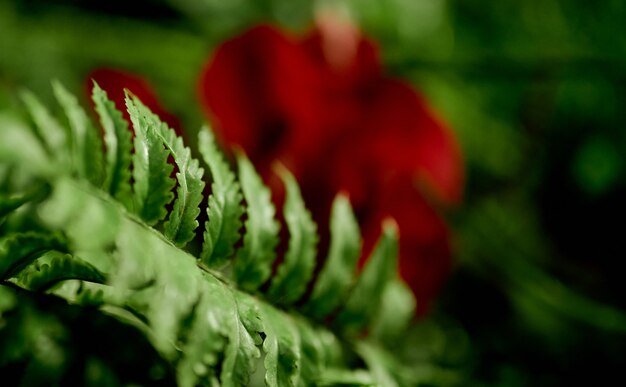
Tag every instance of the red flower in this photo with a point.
(322, 105)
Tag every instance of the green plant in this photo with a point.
(101, 227)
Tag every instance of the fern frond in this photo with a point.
(164, 281)
(89, 226)
(54, 267)
(9, 203)
(337, 275)
(48, 128)
(86, 144)
(18, 250)
(313, 352)
(225, 208)
(117, 138)
(253, 263)
(342, 377)
(281, 347)
(80, 242)
(294, 273)
(20, 147)
(380, 269)
(381, 365)
(202, 348)
(240, 358)
(181, 222)
(151, 171)
(396, 312)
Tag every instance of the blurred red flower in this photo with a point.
(323, 106)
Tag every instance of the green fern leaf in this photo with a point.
(347, 378)
(54, 267)
(117, 138)
(168, 284)
(313, 352)
(195, 318)
(48, 128)
(281, 347)
(220, 316)
(396, 312)
(8, 300)
(164, 282)
(224, 210)
(85, 295)
(19, 146)
(337, 275)
(181, 223)
(151, 171)
(87, 156)
(205, 341)
(18, 208)
(18, 250)
(293, 275)
(365, 298)
(378, 362)
(10, 203)
(241, 355)
(89, 225)
(386, 370)
(253, 264)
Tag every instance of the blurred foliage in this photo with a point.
(44, 341)
(535, 92)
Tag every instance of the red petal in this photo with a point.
(401, 131)
(257, 89)
(408, 137)
(363, 66)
